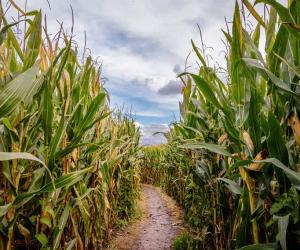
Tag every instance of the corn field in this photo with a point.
(232, 160)
(68, 164)
(70, 167)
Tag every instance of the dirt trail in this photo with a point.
(160, 223)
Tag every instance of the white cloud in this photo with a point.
(139, 40)
(168, 24)
(150, 114)
(153, 134)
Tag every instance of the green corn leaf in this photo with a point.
(11, 95)
(59, 133)
(46, 221)
(254, 120)
(279, 48)
(256, 36)
(276, 143)
(210, 147)
(231, 129)
(248, 41)
(91, 112)
(34, 41)
(294, 68)
(198, 54)
(64, 55)
(199, 119)
(55, 142)
(37, 180)
(254, 13)
(285, 16)
(206, 90)
(65, 180)
(61, 182)
(231, 185)
(47, 112)
(270, 30)
(42, 238)
(268, 74)
(7, 156)
(191, 129)
(236, 54)
(293, 176)
(228, 37)
(12, 38)
(61, 225)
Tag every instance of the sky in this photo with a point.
(143, 45)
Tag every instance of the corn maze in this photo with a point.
(71, 167)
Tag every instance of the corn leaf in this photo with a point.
(21, 88)
(231, 185)
(210, 147)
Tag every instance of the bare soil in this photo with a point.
(161, 221)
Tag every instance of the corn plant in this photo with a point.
(236, 146)
(68, 165)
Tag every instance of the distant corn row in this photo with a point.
(232, 161)
(152, 165)
(68, 166)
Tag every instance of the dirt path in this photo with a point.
(160, 222)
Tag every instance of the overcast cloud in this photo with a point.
(173, 87)
(143, 45)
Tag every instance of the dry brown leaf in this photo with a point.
(295, 124)
(256, 166)
(248, 140)
(222, 138)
